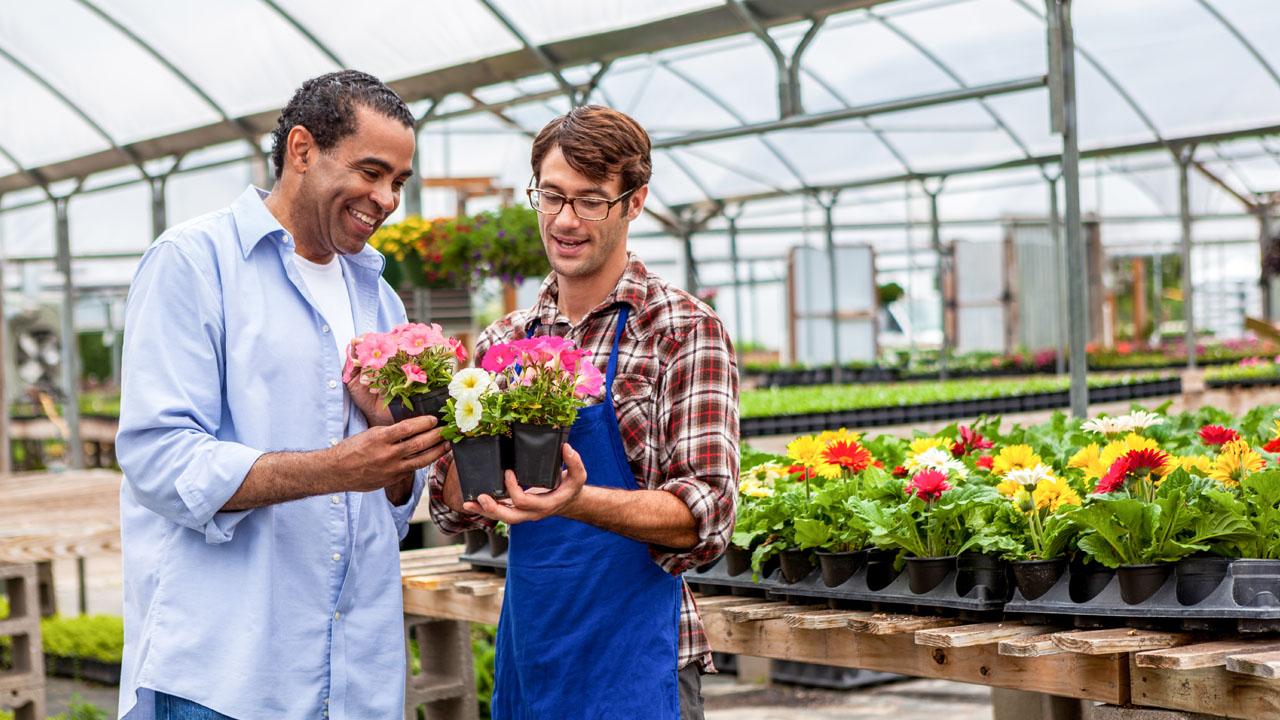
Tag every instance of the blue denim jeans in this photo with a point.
(171, 707)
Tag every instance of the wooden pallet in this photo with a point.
(1234, 677)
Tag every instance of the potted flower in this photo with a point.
(547, 379)
(475, 422)
(410, 367)
(1038, 522)
(760, 473)
(831, 528)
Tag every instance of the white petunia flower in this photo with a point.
(471, 379)
(1141, 419)
(467, 412)
(1109, 426)
(1030, 476)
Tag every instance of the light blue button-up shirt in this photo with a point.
(286, 611)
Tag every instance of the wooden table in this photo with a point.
(1233, 677)
(47, 515)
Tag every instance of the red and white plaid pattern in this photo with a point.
(676, 397)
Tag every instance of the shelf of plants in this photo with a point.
(1140, 519)
(782, 411)
(1247, 373)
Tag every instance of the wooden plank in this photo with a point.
(881, 624)
(1259, 664)
(437, 570)
(980, 634)
(717, 602)
(452, 551)
(436, 583)
(1118, 640)
(453, 605)
(1202, 655)
(408, 567)
(824, 619)
(1065, 674)
(480, 587)
(765, 611)
(1030, 646)
(1213, 691)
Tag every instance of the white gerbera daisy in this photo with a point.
(1141, 419)
(1112, 427)
(1031, 476)
(936, 458)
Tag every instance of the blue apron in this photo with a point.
(589, 620)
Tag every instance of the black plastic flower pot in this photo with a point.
(428, 403)
(736, 560)
(924, 574)
(475, 540)
(1256, 583)
(1197, 578)
(1088, 580)
(796, 564)
(982, 575)
(1139, 582)
(479, 461)
(538, 454)
(1035, 577)
(497, 543)
(880, 570)
(837, 567)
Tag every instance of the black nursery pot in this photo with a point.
(1256, 583)
(924, 574)
(479, 461)
(796, 564)
(1088, 580)
(428, 403)
(475, 540)
(837, 567)
(1197, 578)
(987, 575)
(539, 454)
(1139, 582)
(880, 571)
(497, 543)
(1035, 577)
(736, 560)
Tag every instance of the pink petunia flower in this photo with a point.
(414, 373)
(415, 339)
(459, 350)
(590, 381)
(375, 350)
(500, 357)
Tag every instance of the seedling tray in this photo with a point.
(1247, 597)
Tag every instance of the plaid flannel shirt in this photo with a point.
(676, 397)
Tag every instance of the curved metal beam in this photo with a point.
(34, 175)
(304, 32)
(40, 79)
(1243, 41)
(773, 149)
(955, 77)
(877, 132)
(186, 80)
(546, 60)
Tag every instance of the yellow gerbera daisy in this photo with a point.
(1089, 459)
(1015, 457)
(919, 445)
(826, 437)
(1234, 462)
(806, 450)
(1053, 493)
(1009, 488)
(1196, 464)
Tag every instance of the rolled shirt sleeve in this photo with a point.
(698, 419)
(168, 445)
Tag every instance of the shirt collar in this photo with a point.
(632, 289)
(254, 222)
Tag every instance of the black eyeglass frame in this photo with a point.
(566, 200)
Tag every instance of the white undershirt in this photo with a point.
(328, 289)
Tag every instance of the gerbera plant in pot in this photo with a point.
(476, 422)
(410, 367)
(547, 379)
(1038, 521)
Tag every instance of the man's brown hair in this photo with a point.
(598, 142)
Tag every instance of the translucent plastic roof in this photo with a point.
(105, 92)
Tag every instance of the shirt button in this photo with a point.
(324, 328)
(333, 383)
(326, 701)
(337, 615)
(333, 441)
(336, 499)
(326, 713)
(337, 557)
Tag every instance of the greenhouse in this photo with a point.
(987, 240)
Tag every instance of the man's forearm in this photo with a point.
(282, 477)
(649, 516)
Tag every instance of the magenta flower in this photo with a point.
(500, 357)
(375, 350)
(928, 485)
(590, 381)
(348, 371)
(414, 373)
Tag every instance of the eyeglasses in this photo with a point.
(587, 208)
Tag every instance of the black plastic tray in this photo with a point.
(1250, 604)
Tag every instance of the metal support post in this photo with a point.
(1263, 208)
(70, 356)
(829, 232)
(941, 273)
(1063, 91)
(1060, 281)
(413, 198)
(1184, 156)
(159, 213)
(690, 272)
(737, 279)
(6, 448)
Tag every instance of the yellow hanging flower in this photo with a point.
(919, 445)
(1053, 493)
(1234, 462)
(1009, 488)
(1089, 459)
(1015, 457)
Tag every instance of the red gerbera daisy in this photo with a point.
(985, 462)
(1146, 461)
(878, 464)
(1114, 479)
(1273, 446)
(802, 472)
(848, 455)
(928, 485)
(1217, 435)
(899, 471)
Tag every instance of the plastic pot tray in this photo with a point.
(855, 590)
(1252, 602)
(485, 559)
